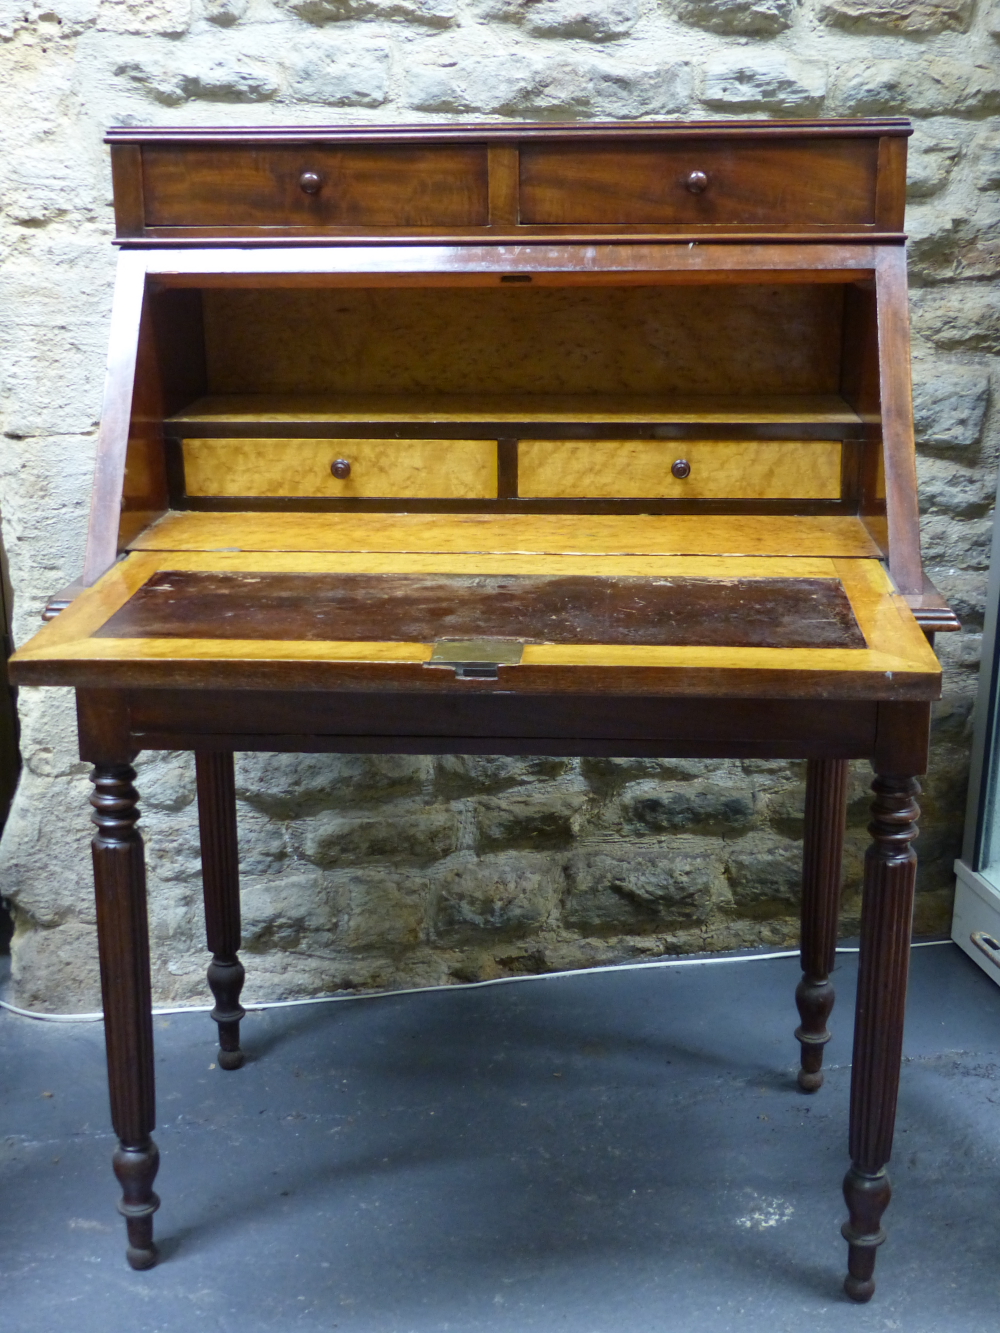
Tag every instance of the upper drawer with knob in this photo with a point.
(784, 184)
(715, 178)
(314, 186)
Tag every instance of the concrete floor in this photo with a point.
(621, 1151)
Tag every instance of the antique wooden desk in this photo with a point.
(572, 440)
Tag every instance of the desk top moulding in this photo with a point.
(519, 439)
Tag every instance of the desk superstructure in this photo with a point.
(573, 440)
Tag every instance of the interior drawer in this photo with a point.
(431, 469)
(787, 184)
(719, 469)
(354, 186)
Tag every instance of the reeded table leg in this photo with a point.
(221, 879)
(123, 935)
(823, 854)
(887, 910)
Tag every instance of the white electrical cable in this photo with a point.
(251, 1006)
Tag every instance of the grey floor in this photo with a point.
(621, 1151)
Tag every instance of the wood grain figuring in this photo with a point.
(434, 469)
(737, 612)
(746, 535)
(503, 180)
(740, 340)
(886, 923)
(220, 871)
(822, 860)
(566, 259)
(113, 435)
(585, 408)
(123, 940)
(778, 470)
(789, 183)
(126, 176)
(898, 448)
(898, 664)
(405, 186)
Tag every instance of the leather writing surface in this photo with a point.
(575, 609)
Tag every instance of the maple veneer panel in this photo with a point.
(431, 469)
(637, 534)
(746, 340)
(720, 469)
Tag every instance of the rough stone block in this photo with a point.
(605, 775)
(281, 911)
(289, 786)
(222, 80)
(702, 807)
(385, 910)
(432, 13)
(956, 542)
(945, 246)
(473, 774)
(916, 17)
(639, 890)
(592, 20)
(765, 874)
(510, 895)
(930, 86)
(355, 77)
(525, 85)
(963, 317)
(986, 161)
(949, 404)
(763, 81)
(533, 822)
(165, 18)
(422, 835)
(752, 18)
(224, 12)
(929, 164)
(949, 488)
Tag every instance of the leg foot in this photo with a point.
(867, 1196)
(136, 1170)
(826, 807)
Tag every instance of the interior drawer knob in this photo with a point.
(341, 468)
(681, 469)
(696, 182)
(310, 182)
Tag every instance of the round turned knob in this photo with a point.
(309, 182)
(681, 469)
(697, 182)
(340, 468)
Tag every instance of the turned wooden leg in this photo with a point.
(221, 879)
(823, 854)
(886, 916)
(123, 937)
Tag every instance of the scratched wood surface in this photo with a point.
(571, 608)
(633, 534)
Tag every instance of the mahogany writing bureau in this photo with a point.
(571, 440)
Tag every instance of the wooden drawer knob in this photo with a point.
(681, 469)
(310, 182)
(697, 183)
(341, 468)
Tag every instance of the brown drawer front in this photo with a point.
(418, 469)
(718, 469)
(787, 185)
(388, 187)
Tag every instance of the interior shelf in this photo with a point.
(575, 409)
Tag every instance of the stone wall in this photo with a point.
(363, 872)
